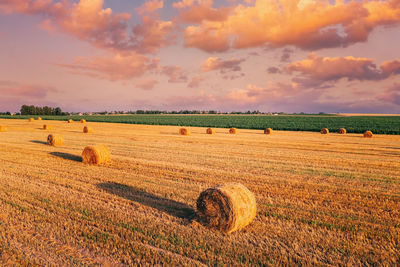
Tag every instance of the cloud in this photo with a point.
(203, 10)
(174, 73)
(150, 7)
(317, 70)
(286, 54)
(391, 95)
(146, 83)
(215, 63)
(196, 81)
(273, 70)
(307, 24)
(111, 67)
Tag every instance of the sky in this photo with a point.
(230, 55)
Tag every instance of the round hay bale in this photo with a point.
(324, 131)
(3, 129)
(87, 129)
(97, 154)
(83, 121)
(39, 118)
(268, 131)
(232, 130)
(184, 131)
(342, 131)
(46, 127)
(368, 134)
(210, 131)
(227, 208)
(55, 140)
(70, 121)
(31, 119)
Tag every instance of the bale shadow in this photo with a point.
(38, 142)
(174, 208)
(67, 156)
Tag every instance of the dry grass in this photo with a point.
(87, 129)
(98, 154)
(184, 131)
(324, 131)
(320, 201)
(3, 128)
(232, 130)
(368, 134)
(228, 207)
(268, 131)
(342, 131)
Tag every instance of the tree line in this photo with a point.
(35, 110)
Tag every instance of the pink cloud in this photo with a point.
(175, 74)
(196, 81)
(215, 63)
(203, 10)
(391, 95)
(146, 83)
(150, 7)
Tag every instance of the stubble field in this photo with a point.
(321, 199)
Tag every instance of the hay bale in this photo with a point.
(46, 127)
(39, 118)
(87, 129)
(55, 140)
(31, 119)
(368, 134)
(210, 131)
(70, 121)
(232, 130)
(97, 154)
(324, 131)
(3, 128)
(342, 131)
(83, 121)
(268, 131)
(227, 208)
(184, 131)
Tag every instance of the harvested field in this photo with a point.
(323, 200)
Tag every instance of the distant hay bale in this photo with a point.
(368, 134)
(46, 127)
(227, 208)
(232, 130)
(342, 131)
(210, 131)
(70, 121)
(31, 119)
(268, 131)
(55, 140)
(3, 129)
(324, 131)
(39, 118)
(83, 121)
(87, 129)
(97, 154)
(184, 131)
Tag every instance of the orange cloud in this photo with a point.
(308, 24)
(215, 63)
(115, 67)
(200, 12)
(150, 7)
(175, 74)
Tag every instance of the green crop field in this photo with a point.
(353, 124)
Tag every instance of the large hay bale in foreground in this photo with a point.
(31, 119)
(227, 208)
(39, 118)
(268, 131)
(46, 127)
(55, 140)
(210, 131)
(87, 129)
(3, 129)
(324, 131)
(83, 121)
(232, 130)
(184, 131)
(97, 154)
(70, 121)
(342, 131)
(368, 134)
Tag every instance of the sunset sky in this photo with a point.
(267, 55)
